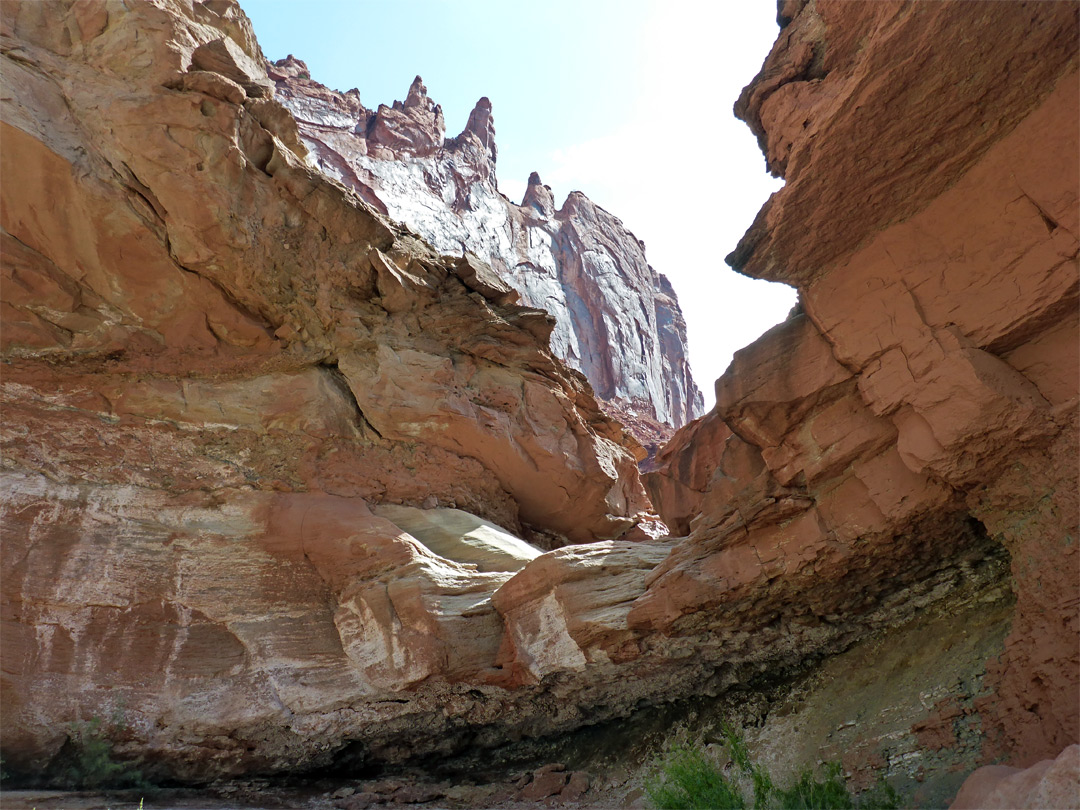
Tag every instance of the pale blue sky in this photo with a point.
(628, 101)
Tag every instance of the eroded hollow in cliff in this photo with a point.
(931, 615)
(189, 480)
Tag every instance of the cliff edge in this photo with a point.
(617, 320)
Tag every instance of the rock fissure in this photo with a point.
(342, 384)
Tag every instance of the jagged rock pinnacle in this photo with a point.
(459, 189)
(417, 93)
(538, 196)
(482, 124)
(292, 67)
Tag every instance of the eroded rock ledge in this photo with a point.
(930, 220)
(216, 359)
(224, 370)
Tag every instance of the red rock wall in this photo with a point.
(214, 360)
(930, 220)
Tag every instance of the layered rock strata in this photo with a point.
(616, 319)
(215, 360)
(928, 387)
(224, 370)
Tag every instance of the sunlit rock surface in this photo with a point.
(926, 392)
(461, 537)
(616, 319)
(224, 370)
(216, 359)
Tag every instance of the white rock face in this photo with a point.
(617, 320)
(461, 537)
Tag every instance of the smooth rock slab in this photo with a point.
(461, 537)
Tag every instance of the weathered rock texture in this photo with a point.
(1049, 784)
(616, 319)
(215, 360)
(223, 369)
(902, 702)
(928, 388)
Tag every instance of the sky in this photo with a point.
(628, 101)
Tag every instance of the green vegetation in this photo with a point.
(809, 793)
(691, 780)
(89, 761)
(687, 778)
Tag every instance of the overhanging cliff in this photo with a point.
(929, 219)
(265, 451)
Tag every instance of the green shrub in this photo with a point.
(90, 763)
(881, 796)
(740, 758)
(688, 781)
(686, 778)
(810, 793)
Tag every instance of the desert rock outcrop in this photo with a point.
(234, 390)
(616, 319)
(928, 386)
(215, 360)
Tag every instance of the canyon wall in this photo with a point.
(219, 366)
(616, 319)
(269, 457)
(928, 386)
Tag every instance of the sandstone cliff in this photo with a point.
(616, 319)
(927, 392)
(269, 457)
(216, 360)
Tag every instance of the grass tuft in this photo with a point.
(687, 778)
